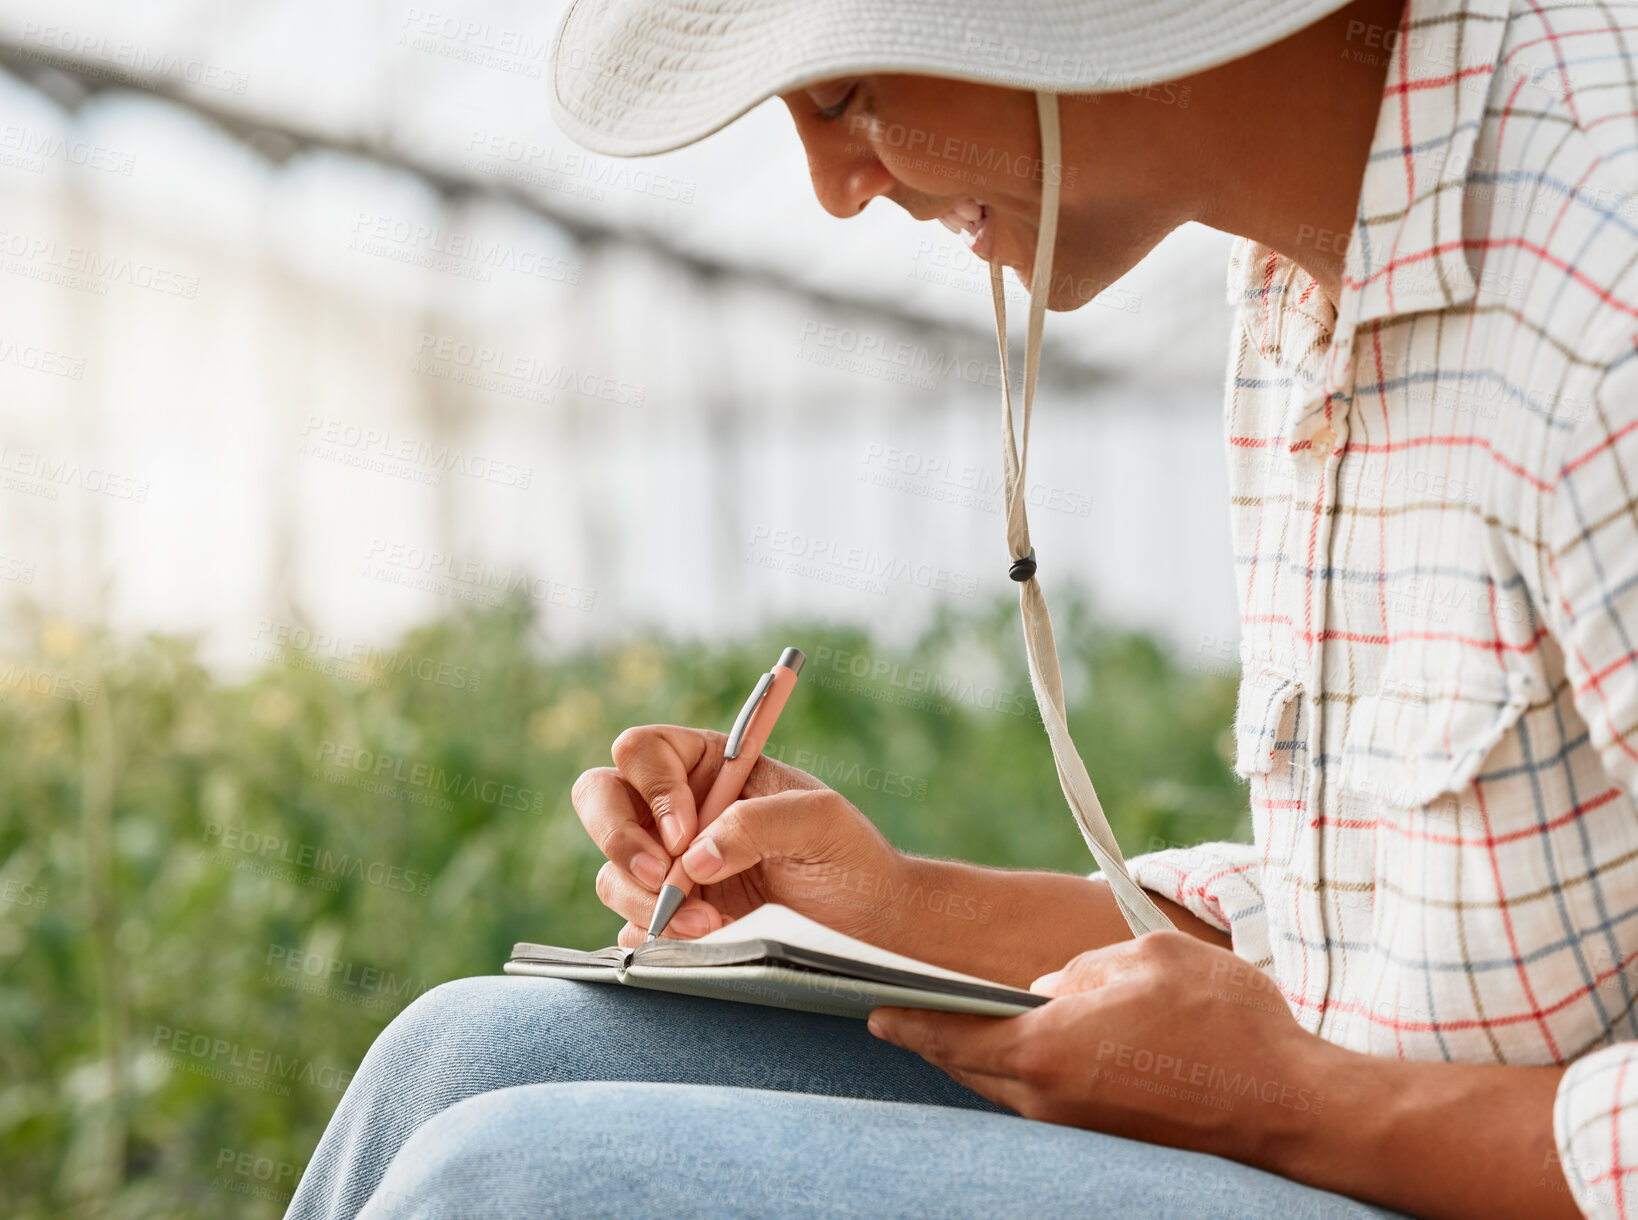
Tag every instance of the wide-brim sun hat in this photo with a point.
(632, 77)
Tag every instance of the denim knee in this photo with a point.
(461, 1038)
(482, 1158)
(464, 1038)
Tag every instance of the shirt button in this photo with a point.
(1324, 442)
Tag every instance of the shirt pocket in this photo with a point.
(1409, 744)
(1411, 848)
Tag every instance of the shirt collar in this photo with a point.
(1407, 252)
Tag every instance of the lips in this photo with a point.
(972, 220)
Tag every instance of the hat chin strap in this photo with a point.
(1142, 915)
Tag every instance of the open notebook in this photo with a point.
(775, 956)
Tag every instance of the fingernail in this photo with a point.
(1044, 984)
(650, 870)
(692, 922)
(703, 861)
(875, 1028)
(670, 831)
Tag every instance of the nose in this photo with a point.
(846, 174)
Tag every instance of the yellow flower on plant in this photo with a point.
(59, 639)
(567, 722)
(638, 668)
(274, 708)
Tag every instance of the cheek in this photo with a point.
(942, 163)
(901, 148)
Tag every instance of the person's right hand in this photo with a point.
(788, 839)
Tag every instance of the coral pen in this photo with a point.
(745, 741)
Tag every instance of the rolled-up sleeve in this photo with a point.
(1595, 1125)
(1219, 882)
(1589, 595)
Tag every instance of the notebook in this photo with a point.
(777, 957)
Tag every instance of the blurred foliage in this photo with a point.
(214, 896)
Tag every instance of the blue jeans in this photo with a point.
(502, 1098)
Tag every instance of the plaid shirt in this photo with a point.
(1435, 522)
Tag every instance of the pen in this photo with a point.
(745, 741)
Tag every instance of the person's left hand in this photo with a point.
(1163, 1038)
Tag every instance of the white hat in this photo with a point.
(631, 77)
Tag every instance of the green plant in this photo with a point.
(214, 895)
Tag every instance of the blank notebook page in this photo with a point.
(774, 922)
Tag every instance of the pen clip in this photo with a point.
(736, 735)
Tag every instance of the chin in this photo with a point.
(1070, 289)
(1069, 295)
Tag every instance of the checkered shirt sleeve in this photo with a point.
(1589, 575)
(1221, 883)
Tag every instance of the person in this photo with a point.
(1412, 992)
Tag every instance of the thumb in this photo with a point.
(1087, 971)
(755, 829)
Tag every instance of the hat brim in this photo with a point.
(633, 77)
